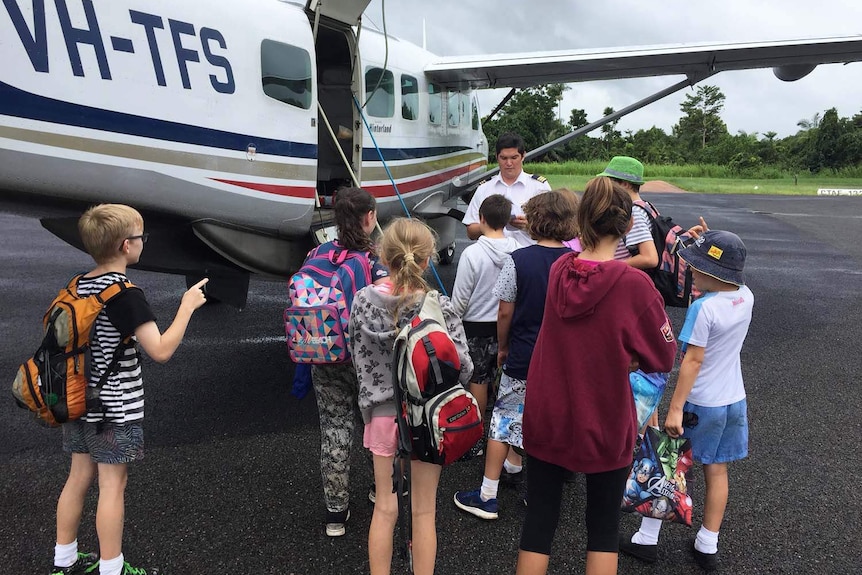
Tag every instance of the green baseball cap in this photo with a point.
(626, 169)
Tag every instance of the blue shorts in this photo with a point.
(109, 443)
(721, 433)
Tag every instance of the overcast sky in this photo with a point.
(756, 100)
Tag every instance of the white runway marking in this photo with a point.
(830, 216)
(211, 341)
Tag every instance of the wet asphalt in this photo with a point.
(230, 482)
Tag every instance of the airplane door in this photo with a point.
(344, 11)
(339, 150)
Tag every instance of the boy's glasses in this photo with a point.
(143, 237)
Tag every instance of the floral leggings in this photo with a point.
(336, 389)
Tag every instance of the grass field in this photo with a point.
(782, 186)
(706, 178)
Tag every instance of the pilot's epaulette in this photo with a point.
(542, 179)
(485, 181)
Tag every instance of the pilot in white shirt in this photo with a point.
(513, 183)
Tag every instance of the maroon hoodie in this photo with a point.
(579, 411)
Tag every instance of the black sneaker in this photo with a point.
(335, 521)
(372, 491)
(477, 450)
(511, 479)
(706, 561)
(645, 553)
(85, 563)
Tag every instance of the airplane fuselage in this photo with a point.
(207, 113)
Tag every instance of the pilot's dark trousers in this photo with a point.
(336, 389)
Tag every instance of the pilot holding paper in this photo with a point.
(513, 183)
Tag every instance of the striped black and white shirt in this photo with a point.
(122, 394)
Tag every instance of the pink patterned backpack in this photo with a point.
(321, 294)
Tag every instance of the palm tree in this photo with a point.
(811, 124)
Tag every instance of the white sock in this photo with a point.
(66, 555)
(706, 541)
(489, 489)
(111, 566)
(648, 532)
(511, 468)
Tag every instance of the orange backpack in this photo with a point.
(54, 383)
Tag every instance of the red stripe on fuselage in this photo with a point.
(405, 187)
(383, 191)
(293, 191)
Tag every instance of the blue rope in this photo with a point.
(395, 186)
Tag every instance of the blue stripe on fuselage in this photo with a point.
(391, 154)
(21, 104)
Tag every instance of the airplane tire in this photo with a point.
(447, 254)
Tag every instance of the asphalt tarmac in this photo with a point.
(231, 484)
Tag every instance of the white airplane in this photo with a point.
(229, 123)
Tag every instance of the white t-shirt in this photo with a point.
(521, 190)
(718, 322)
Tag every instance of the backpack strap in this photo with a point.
(113, 291)
(648, 208)
(338, 257)
(401, 471)
(104, 296)
(72, 284)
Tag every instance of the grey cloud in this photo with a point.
(756, 100)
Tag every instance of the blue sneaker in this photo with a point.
(471, 502)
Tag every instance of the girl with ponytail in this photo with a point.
(335, 385)
(378, 314)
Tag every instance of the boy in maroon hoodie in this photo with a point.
(579, 413)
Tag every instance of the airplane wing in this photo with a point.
(791, 60)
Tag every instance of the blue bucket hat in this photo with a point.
(718, 254)
(626, 169)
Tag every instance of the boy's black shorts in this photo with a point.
(483, 352)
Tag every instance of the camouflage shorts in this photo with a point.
(107, 443)
(483, 352)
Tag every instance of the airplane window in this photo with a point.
(286, 73)
(435, 104)
(409, 97)
(452, 106)
(463, 107)
(380, 104)
(475, 114)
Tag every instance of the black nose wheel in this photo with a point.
(447, 254)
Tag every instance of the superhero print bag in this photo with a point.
(659, 485)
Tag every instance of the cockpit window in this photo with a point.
(453, 102)
(435, 104)
(409, 97)
(286, 73)
(379, 93)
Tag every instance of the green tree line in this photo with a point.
(824, 142)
